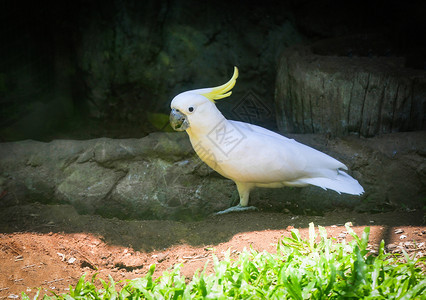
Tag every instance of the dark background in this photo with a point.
(85, 69)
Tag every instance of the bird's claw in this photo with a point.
(237, 208)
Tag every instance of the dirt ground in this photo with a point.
(51, 246)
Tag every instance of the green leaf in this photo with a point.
(364, 239)
(417, 290)
(332, 278)
(360, 267)
(293, 287)
(312, 236)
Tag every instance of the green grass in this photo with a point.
(300, 269)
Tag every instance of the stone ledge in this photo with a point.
(160, 177)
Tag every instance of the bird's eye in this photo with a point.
(190, 109)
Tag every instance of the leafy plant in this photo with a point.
(300, 269)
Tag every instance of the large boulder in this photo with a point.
(154, 177)
(160, 177)
(352, 85)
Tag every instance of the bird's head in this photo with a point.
(197, 109)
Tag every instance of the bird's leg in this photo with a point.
(244, 192)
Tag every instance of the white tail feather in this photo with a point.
(343, 183)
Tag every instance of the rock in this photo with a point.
(391, 247)
(160, 177)
(350, 85)
(87, 183)
(71, 260)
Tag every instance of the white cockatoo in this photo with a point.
(250, 155)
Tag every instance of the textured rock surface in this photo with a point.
(159, 176)
(348, 85)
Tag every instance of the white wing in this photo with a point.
(267, 158)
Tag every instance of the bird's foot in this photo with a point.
(237, 208)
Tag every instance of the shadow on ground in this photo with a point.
(149, 235)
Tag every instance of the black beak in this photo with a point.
(178, 120)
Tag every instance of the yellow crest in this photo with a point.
(224, 90)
